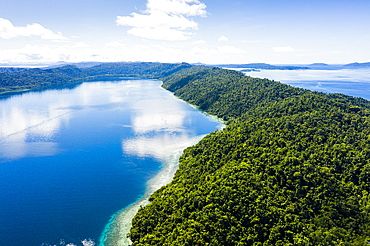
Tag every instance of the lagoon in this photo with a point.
(73, 160)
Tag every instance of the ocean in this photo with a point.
(353, 82)
(76, 163)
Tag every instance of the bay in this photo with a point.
(72, 159)
(352, 82)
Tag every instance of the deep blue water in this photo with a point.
(72, 158)
(353, 82)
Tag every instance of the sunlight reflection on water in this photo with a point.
(72, 156)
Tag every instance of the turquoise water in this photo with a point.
(77, 163)
(73, 160)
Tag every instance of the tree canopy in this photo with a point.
(13, 79)
(291, 168)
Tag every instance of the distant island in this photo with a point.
(20, 79)
(319, 65)
(263, 66)
(314, 66)
(358, 65)
(292, 167)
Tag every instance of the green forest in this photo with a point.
(292, 167)
(20, 80)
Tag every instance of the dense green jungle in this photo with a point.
(292, 167)
(20, 80)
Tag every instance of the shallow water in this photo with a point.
(70, 159)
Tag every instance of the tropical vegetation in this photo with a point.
(292, 167)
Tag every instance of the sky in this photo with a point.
(204, 31)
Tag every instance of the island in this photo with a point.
(292, 167)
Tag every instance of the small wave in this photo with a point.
(85, 242)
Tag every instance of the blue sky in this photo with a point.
(213, 32)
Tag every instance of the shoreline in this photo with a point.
(115, 232)
(67, 84)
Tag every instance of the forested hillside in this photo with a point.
(10, 69)
(30, 79)
(291, 168)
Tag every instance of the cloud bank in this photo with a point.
(165, 19)
(116, 51)
(8, 31)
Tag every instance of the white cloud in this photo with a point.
(177, 7)
(204, 51)
(114, 44)
(283, 49)
(201, 41)
(81, 45)
(223, 38)
(83, 52)
(117, 51)
(47, 54)
(157, 19)
(159, 33)
(164, 19)
(223, 50)
(8, 30)
(230, 50)
(252, 41)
